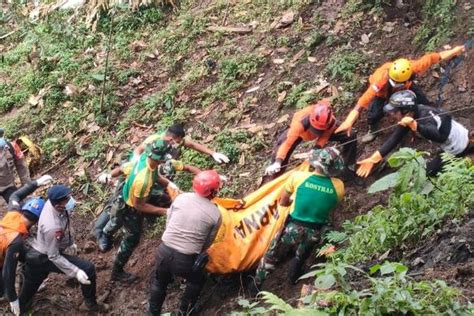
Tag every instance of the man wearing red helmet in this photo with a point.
(191, 226)
(315, 122)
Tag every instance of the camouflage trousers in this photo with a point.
(293, 238)
(132, 222)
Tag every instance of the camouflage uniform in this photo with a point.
(293, 235)
(315, 196)
(11, 158)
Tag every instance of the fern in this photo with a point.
(335, 236)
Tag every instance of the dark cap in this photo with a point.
(58, 192)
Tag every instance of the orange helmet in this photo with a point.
(322, 117)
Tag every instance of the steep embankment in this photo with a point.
(234, 90)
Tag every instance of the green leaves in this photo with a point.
(385, 183)
(325, 282)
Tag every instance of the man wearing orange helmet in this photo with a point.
(388, 79)
(191, 226)
(315, 122)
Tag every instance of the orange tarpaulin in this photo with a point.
(245, 234)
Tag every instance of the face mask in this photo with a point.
(70, 204)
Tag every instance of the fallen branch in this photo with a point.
(8, 34)
(230, 29)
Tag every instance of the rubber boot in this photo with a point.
(93, 306)
(118, 274)
(105, 242)
(294, 270)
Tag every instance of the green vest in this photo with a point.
(315, 198)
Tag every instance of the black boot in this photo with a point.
(105, 242)
(294, 270)
(93, 306)
(118, 274)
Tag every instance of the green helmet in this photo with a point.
(158, 150)
(327, 159)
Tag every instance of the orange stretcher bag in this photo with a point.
(245, 234)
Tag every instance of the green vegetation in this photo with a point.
(413, 211)
(438, 21)
(346, 66)
(392, 292)
(353, 6)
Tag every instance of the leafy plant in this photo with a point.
(411, 213)
(412, 177)
(438, 21)
(344, 64)
(388, 291)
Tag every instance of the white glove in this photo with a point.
(82, 277)
(135, 157)
(15, 307)
(223, 178)
(104, 178)
(43, 180)
(273, 168)
(220, 157)
(173, 186)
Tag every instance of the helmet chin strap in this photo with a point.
(395, 84)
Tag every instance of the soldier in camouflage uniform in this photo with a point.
(315, 194)
(141, 175)
(11, 158)
(111, 219)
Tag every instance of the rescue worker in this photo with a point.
(192, 224)
(429, 122)
(387, 79)
(11, 157)
(314, 196)
(14, 228)
(176, 136)
(109, 221)
(142, 175)
(315, 122)
(54, 250)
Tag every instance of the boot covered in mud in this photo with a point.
(105, 242)
(370, 136)
(118, 274)
(94, 307)
(295, 270)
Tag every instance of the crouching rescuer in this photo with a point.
(48, 254)
(314, 196)
(192, 224)
(432, 123)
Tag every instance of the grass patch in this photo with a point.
(438, 22)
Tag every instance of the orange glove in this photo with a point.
(366, 165)
(346, 126)
(409, 122)
(450, 53)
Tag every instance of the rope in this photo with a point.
(296, 162)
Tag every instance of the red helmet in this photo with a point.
(206, 182)
(321, 116)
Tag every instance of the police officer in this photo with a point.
(192, 224)
(48, 253)
(11, 158)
